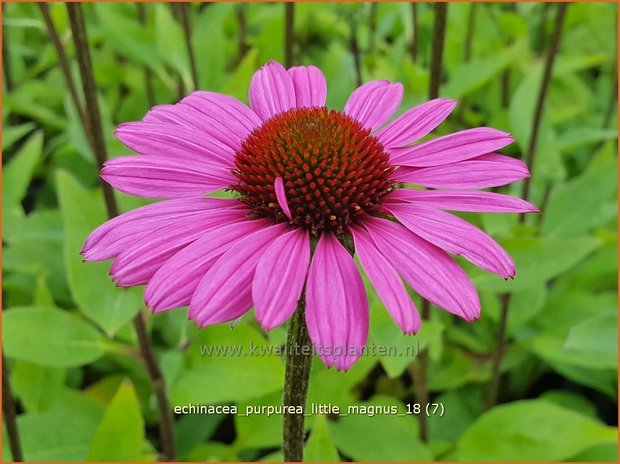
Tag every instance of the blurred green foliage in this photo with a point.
(82, 391)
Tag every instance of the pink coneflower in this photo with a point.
(312, 186)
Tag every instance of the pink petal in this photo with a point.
(310, 86)
(280, 277)
(177, 279)
(278, 185)
(115, 235)
(387, 282)
(455, 236)
(429, 270)
(138, 263)
(415, 123)
(463, 200)
(164, 177)
(225, 291)
(484, 171)
(271, 91)
(217, 116)
(152, 139)
(373, 103)
(451, 148)
(336, 305)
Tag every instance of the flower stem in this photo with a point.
(296, 382)
(413, 48)
(10, 416)
(498, 356)
(242, 19)
(184, 11)
(93, 122)
(419, 376)
(372, 27)
(471, 27)
(540, 102)
(493, 388)
(148, 75)
(289, 33)
(6, 58)
(63, 62)
(355, 51)
(439, 35)
(419, 372)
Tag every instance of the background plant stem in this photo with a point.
(492, 391)
(148, 75)
(93, 122)
(439, 35)
(10, 416)
(540, 102)
(184, 10)
(419, 373)
(413, 48)
(296, 383)
(289, 33)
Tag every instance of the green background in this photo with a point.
(74, 365)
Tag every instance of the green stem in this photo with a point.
(540, 102)
(500, 350)
(289, 33)
(93, 122)
(10, 415)
(419, 377)
(148, 75)
(296, 382)
(413, 48)
(439, 35)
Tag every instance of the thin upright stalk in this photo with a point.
(467, 50)
(542, 27)
(493, 387)
(355, 51)
(184, 10)
(419, 377)
(10, 415)
(93, 121)
(419, 372)
(148, 74)
(242, 38)
(439, 35)
(372, 27)
(296, 383)
(471, 27)
(498, 355)
(540, 102)
(289, 33)
(413, 48)
(6, 60)
(63, 62)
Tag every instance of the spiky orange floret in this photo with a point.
(334, 171)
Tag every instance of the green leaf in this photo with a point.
(63, 433)
(537, 260)
(36, 386)
(16, 176)
(92, 289)
(564, 216)
(12, 134)
(226, 377)
(121, 432)
(50, 336)
(531, 430)
(320, 447)
(472, 75)
(596, 337)
(393, 437)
